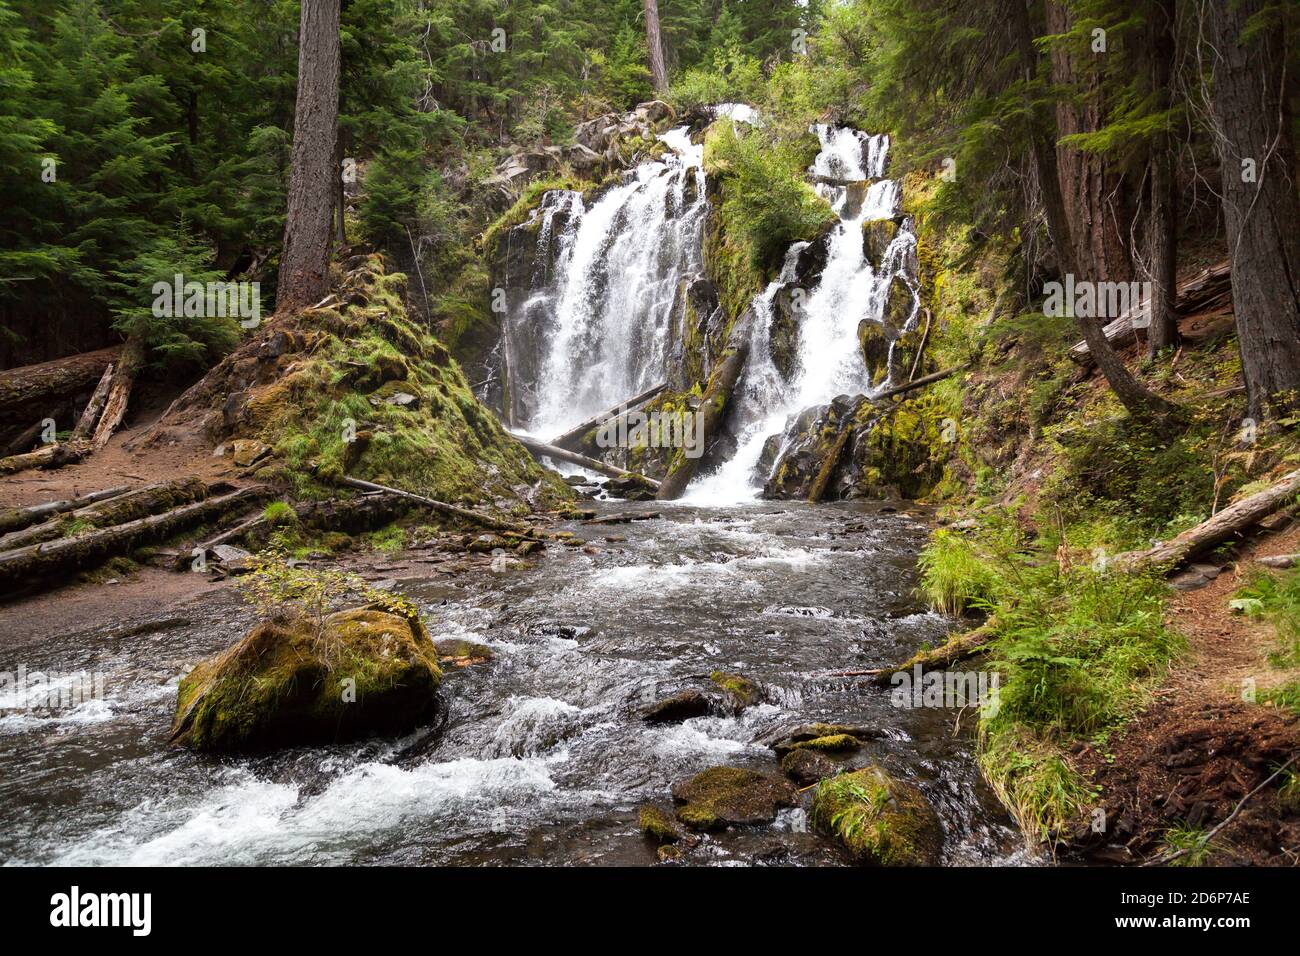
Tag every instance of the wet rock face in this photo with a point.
(731, 796)
(810, 441)
(700, 334)
(359, 673)
(878, 819)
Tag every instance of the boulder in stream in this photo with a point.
(680, 706)
(878, 819)
(731, 796)
(357, 673)
(806, 767)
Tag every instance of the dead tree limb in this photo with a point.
(918, 383)
(957, 647)
(51, 456)
(543, 450)
(36, 385)
(139, 503)
(95, 407)
(119, 392)
(487, 521)
(572, 439)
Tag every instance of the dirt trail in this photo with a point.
(1200, 747)
(114, 464)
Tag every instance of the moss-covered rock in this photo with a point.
(833, 743)
(731, 796)
(741, 691)
(359, 673)
(827, 738)
(457, 652)
(878, 819)
(807, 767)
(657, 824)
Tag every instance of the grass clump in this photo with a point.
(954, 576)
(1193, 842)
(877, 818)
(1276, 598)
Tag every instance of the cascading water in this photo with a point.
(849, 172)
(601, 317)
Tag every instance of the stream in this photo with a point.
(543, 756)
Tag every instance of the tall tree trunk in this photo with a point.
(1162, 229)
(1260, 211)
(655, 46)
(1096, 197)
(304, 263)
(1139, 400)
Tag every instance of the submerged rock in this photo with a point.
(731, 796)
(362, 672)
(458, 652)
(878, 819)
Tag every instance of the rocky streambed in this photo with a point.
(542, 751)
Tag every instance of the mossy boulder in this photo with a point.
(878, 819)
(806, 767)
(657, 824)
(680, 706)
(360, 673)
(877, 234)
(740, 691)
(823, 737)
(731, 796)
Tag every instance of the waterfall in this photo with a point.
(849, 172)
(601, 317)
(595, 323)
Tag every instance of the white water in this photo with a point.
(609, 305)
(850, 289)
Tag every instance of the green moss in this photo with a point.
(280, 514)
(742, 690)
(831, 743)
(363, 672)
(657, 825)
(878, 819)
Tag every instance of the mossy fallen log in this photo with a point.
(958, 647)
(51, 559)
(36, 386)
(139, 503)
(717, 396)
(15, 519)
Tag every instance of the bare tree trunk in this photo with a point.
(1260, 208)
(1162, 230)
(304, 263)
(1139, 400)
(655, 46)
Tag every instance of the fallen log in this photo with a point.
(918, 383)
(61, 557)
(958, 647)
(25, 440)
(119, 392)
(1193, 295)
(543, 450)
(1279, 561)
(717, 396)
(818, 488)
(15, 519)
(95, 407)
(1229, 522)
(139, 503)
(487, 521)
(572, 439)
(35, 386)
(51, 456)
